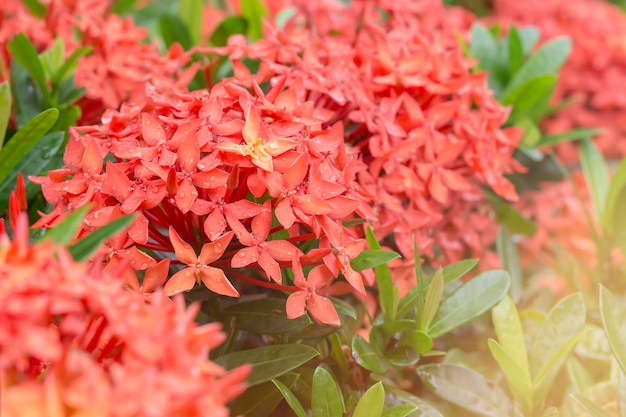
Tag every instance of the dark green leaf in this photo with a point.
(123, 7)
(419, 340)
(27, 99)
(371, 403)
(5, 110)
(569, 135)
(229, 26)
(268, 362)
(261, 400)
(466, 388)
(254, 11)
(371, 258)
(343, 309)
(266, 315)
(36, 8)
(402, 356)
(326, 398)
(88, 245)
(387, 299)
(509, 217)
(173, 30)
(469, 301)
(397, 326)
(365, 356)
(527, 96)
(291, 399)
(62, 233)
(24, 140)
(597, 176)
(516, 50)
(23, 51)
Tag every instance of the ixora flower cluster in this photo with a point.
(75, 341)
(381, 121)
(593, 76)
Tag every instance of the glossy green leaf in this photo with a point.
(402, 410)
(613, 315)
(291, 399)
(465, 388)
(573, 134)
(527, 96)
(402, 356)
(371, 258)
(515, 374)
(509, 257)
(371, 403)
(397, 326)
(596, 173)
(365, 356)
(27, 99)
(516, 50)
(433, 299)
(62, 233)
(483, 46)
(590, 406)
(343, 309)
(228, 27)
(35, 7)
(5, 110)
(454, 271)
(53, 57)
(190, 13)
(469, 301)
(44, 156)
(266, 315)
(508, 328)
(174, 30)
(23, 51)
(418, 339)
(546, 61)
(261, 400)
(326, 400)
(424, 408)
(24, 140)
(88, 245)
(69, 65)
(254, 11)
(386, 295)
(268, 362)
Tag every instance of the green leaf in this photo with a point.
(483, 46)
(36, 8)
(454, 271)
(596, 173)
(291, 399)
(24, 140)
(589, 406)
(173, 30)
(527, 96)
(371, 403)
(190, 13)
(387, 298)
(254, 11)
(510, 218)
(433, 299)
(229, 26)
(5, 110)
(613, 315)
(343, 309)
(261, 400)
(469, 301)
(268, 362)
(614, 195)
(69, 65)
(402, 410)
(532, 133)
(53, 57)
(39, 160)
(569, 135)
(402, 356)
(418, 340)
(555, 339)
(88, 245)
(365, 356)
(123, 7)
(28, 100)
(529, 35)
(371, 258)
(266, 315)
(466, 388)
(546, 61)
(516, 50)
(521, 386)
(509, 257)
(508, 328)
(62, 233)
(326, 399)
(23, 51)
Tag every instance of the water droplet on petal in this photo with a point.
(132, 262)
(218, 279)
(187, 274)
(144, 265)
(242, 254)
(219, 247)
(127, 252)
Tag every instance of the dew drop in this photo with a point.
(127, 251)
(218, 279)
(212, 178)
(114, 188)
(182, 195)
(242, 255)
(187, 274)
(201, 166)
(144, 265)
(219, 247)
(132, 262)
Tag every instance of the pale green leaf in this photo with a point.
(326, 401)
(371, 403)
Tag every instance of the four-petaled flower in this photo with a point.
(198, 268)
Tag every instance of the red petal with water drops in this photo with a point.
(295, 174)
(244, 209)
(92, 159)
(186, 195)
(282, 250)
(117, 183)
(262, 224)
(322, 309)
(212, 179)
(183, 250)
(342, 206)
(215, 224)
(245, 257)
(320, 276)
(155, 276)
(138, 230)
(216, 281)
(284, 213)
(310, 204)
(270, 266)
(213, 251)
(295, 304)
(180, 282)
(151, 130)
(189, 153)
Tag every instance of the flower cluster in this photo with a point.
(593, 76)
(120, 62)
(74, 341)
(393, 72)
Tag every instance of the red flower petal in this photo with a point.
(310, 204)
(183, 250)
(245, 256)
(295, 304)
(151, 130)
(216, 281)
(322, 309)
(181, 281)
(213, 251)
(155, 276)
